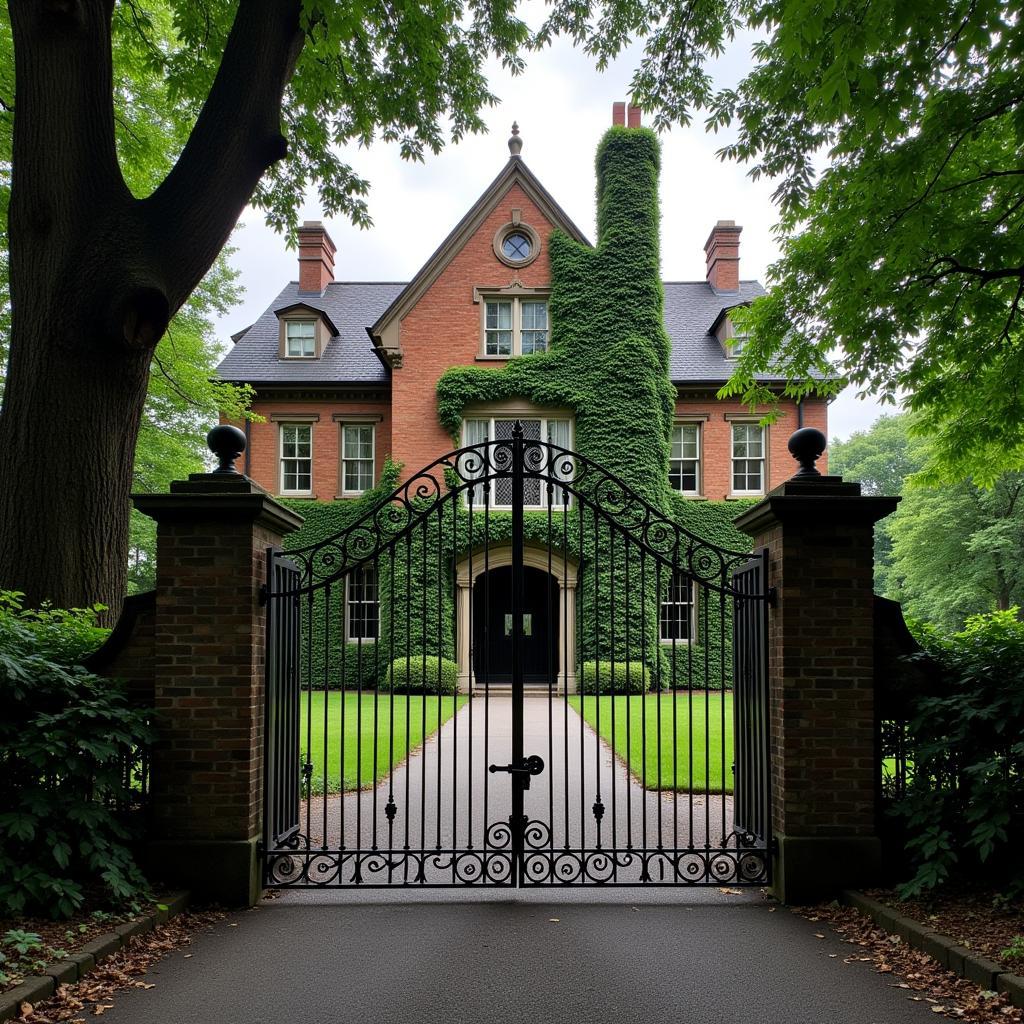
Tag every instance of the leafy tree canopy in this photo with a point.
(903, 261)
(951, 550)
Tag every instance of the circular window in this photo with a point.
(517, 247)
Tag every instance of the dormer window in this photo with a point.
(300, 339)
(735, 346)
(732, 341)
(306, 331)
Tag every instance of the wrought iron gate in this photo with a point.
(611, 723)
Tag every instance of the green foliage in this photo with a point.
(66, 737)
(950, 550)
(1015, 951)
(905, 255)
(964, 805)
(62, 635)
(421, 673)
(609, 351)
(614, 677)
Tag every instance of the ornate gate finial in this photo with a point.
(807, 446)
(227, 443)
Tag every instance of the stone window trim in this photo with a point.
(281, 428)
(692, 618)
(737, 419)
(697, 419)
(356, 421)
(516, 294)
(516, 226)
(323, 331)
(295, 417)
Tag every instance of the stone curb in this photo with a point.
(983, 972)
(66, 972)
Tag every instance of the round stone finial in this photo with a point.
(515, 144)
(227, 443)
(806, 446)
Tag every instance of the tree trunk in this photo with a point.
(68, 439)
(96, 275)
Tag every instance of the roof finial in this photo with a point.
(515, 144)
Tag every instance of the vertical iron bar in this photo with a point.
(518, 822)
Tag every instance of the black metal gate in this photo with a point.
(516, 671)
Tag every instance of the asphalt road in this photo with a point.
(693, 956)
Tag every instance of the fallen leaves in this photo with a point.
(123, 970)
(923, 979)
(730, 892)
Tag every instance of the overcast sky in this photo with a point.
(562, 106)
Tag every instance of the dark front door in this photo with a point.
(492, 627)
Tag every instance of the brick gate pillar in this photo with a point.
(819, 531)
(213, 531)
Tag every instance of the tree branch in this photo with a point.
(236, 138)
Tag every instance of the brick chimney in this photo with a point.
(723, 256)
(316, 257)
(620, 114)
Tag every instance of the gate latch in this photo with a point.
(532, 765)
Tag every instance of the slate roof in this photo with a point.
(348, 359)
(690, 309)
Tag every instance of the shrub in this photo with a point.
(419, 674)
(964, 804)
(598, 676)
(67, 738)
(65, 635)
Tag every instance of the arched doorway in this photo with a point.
(492, 627)
(478, 578)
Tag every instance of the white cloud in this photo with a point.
(563, 106)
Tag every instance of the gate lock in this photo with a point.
(532, 765)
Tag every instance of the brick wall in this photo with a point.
(716, 433)
(443, 329)
(822, 698)
(207, 764)
(264, 440)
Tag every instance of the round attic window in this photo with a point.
(516, 245)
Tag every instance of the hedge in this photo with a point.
(419, 673)
(615, 677)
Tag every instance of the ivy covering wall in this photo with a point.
(608, 362)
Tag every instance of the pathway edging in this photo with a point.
(75, 967)
(959, 959)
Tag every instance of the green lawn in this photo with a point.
(672, 771)
(355, 725)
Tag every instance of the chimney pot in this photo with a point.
(722, 250)
(316, 257)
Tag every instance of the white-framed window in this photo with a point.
(747, 458)
(555, 430)
(296, 458)
(684, 460)
(300, 339)
(736, 345)
(515, 326)
(357, 458)
(678, 610)
(362, 612)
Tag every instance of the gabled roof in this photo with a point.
(349, 357)
(307, 305)
(515, 172)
